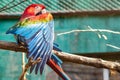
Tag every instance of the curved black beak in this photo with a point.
(38, 13)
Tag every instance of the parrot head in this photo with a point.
(33, 10)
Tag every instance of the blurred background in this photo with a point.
(83, 27)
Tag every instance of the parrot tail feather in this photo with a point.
(56, 47)
(55, 63)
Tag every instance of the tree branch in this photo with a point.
(27, 66)
(95, 62)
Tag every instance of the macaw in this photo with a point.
(35, 31)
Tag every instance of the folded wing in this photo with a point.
(38, 39)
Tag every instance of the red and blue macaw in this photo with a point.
(35, 31)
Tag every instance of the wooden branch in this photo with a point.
(95, 62)
(27, 66)
(12, 46)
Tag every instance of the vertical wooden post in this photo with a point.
(23, 64)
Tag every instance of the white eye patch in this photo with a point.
(38, 8)
(43, 11)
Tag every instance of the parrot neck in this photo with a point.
(42, 18)
(36, 19)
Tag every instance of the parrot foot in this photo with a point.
(32, 62)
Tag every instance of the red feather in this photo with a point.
(29, 11)
(57, 69)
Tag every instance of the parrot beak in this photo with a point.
(43, 11)
(38, 11)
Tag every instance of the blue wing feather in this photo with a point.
(20, 30)
(39, 55)
(33, 30)
(43, 62)
(54, 57)
(43, 53)
(41, 49)
(35, 41)
(39, 40)
(35, 49)
(36, 38)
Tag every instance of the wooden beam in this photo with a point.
(66, 13)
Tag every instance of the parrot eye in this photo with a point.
(37, 7)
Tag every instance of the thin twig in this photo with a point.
(115, 47)
(12, 6)
(93, 30)
(7, 5)
(27, 66)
